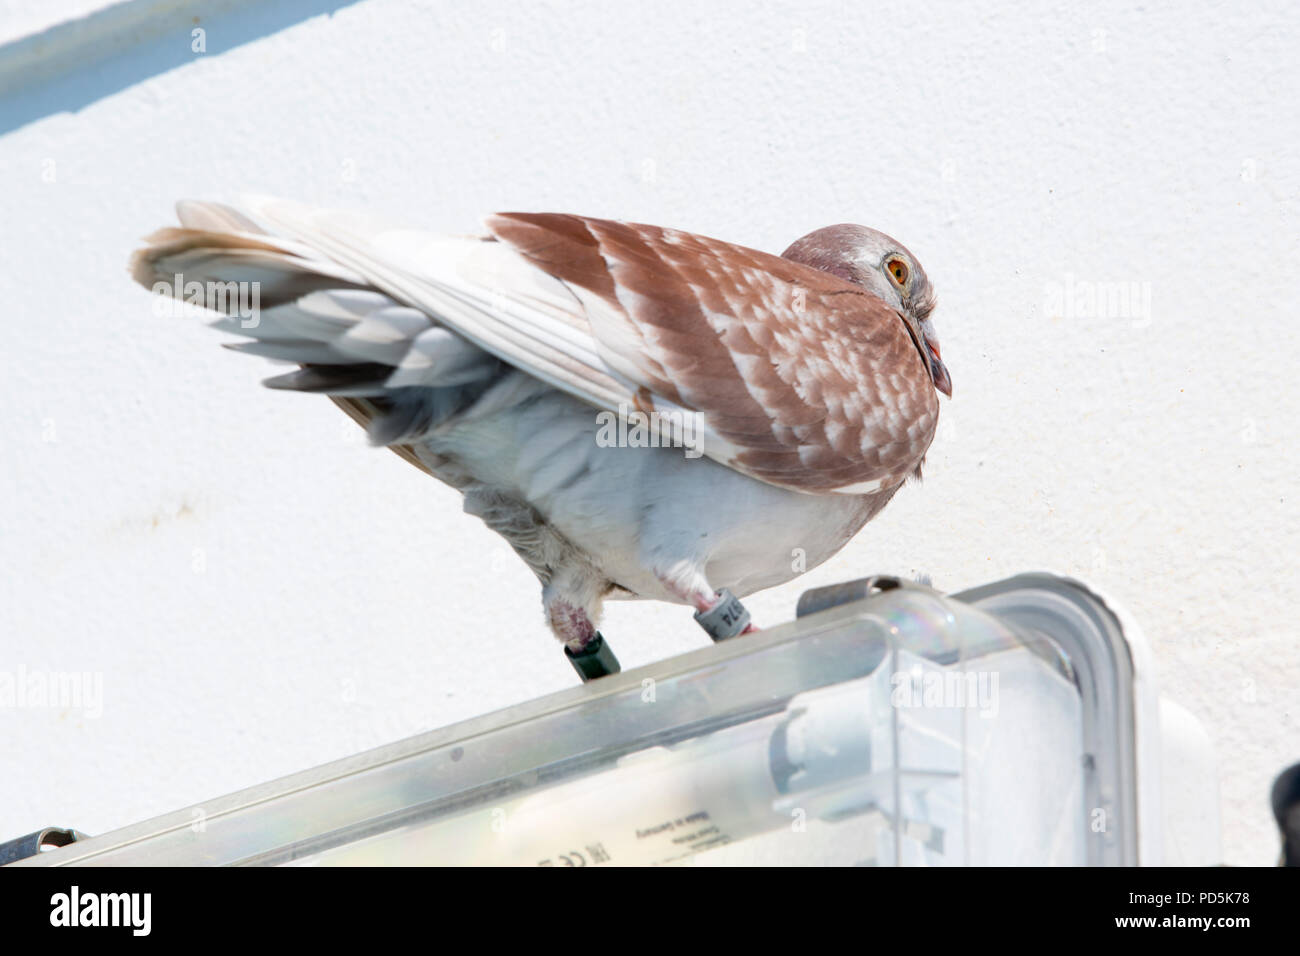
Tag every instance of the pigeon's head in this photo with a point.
(884, 267)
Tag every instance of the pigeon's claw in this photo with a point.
(584, 647)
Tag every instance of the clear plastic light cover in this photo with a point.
(908, 728)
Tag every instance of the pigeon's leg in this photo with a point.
(586, 650)
(718, 612)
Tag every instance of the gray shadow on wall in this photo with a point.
(74, 63)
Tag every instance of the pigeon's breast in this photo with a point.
(631, 506)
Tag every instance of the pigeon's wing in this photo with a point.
(795, 376)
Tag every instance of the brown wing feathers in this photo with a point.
(810, 381)
(812, 378)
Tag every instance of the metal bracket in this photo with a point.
(1286, 808)
(833, 595)
(34, 843)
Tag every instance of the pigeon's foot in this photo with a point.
(720, 613)
(726, 617)
(586, 650)
(570, 623)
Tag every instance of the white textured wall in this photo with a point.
(261, 592)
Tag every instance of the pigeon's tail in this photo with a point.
(396, 371)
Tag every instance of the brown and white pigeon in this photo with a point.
(641, 412)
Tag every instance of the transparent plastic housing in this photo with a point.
(908, 728)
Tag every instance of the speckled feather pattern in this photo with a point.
(815, 381)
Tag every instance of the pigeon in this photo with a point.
(641, 412)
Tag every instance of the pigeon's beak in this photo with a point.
(938, 371)
(927, 342)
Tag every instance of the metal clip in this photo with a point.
(833, 595)
(34, 843)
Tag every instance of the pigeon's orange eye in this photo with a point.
(897, 270)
